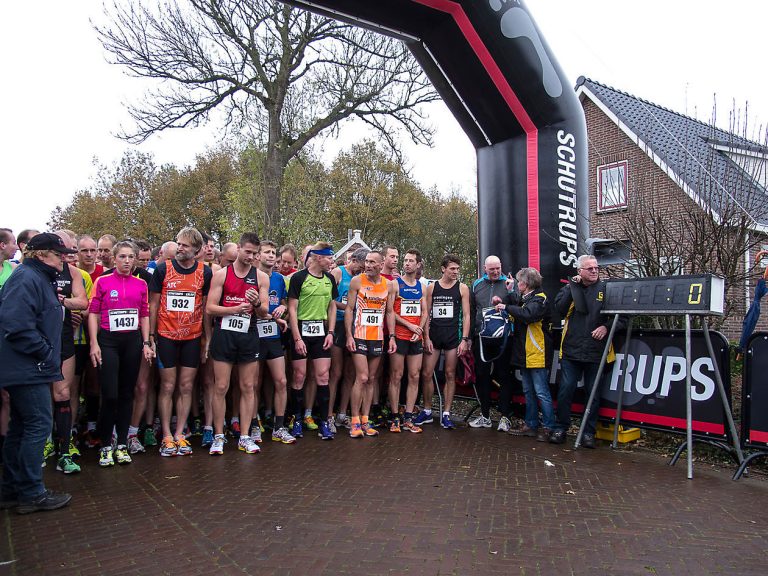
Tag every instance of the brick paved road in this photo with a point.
(464, 502)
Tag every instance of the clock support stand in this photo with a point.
(687, 445)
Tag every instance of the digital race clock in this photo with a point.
(694, 294)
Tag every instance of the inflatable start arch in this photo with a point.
(493, 69)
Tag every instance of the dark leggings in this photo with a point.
(502, 373)
(120, 360)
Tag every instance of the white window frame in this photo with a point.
(603, 174)
(632, 269)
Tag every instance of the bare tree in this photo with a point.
(281, 76)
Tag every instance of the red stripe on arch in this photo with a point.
(517, 108)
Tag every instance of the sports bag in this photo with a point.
(496, 327)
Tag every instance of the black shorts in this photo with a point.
(314, 346)
(271, 348)
(409, 348)
(234, 347)
(445, 338)
(182, 353)
(340, 334)
(67, 347)
(82, 358)
(370, 348)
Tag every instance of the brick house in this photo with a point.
(685, 195)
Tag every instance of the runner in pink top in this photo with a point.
(118, 327)
(120, 302)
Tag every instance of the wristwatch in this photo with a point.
(147, 343)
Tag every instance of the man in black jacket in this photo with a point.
(580, 302)
(31, 318)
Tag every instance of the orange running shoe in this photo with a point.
(369, 430)
(395, 425)
(168, 447)
(411, 427)
(356, 431)
(183, 447)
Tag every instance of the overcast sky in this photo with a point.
(61, 103)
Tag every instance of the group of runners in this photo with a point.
(150, 338)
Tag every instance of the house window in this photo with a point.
(664, 266)
(612, 186)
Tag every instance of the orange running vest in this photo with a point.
(180, 316)
(370, 308)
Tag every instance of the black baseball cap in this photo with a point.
(49, 241)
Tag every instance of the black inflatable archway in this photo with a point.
(493, 69)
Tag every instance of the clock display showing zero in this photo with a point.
(691, 294)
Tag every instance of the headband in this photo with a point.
(323, 251)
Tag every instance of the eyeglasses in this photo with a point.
(591, 269)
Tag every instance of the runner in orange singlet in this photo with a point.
(178, 294)
(373, 296)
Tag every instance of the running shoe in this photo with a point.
(505, 425)
(309, 423)
(134, 446)
(324, 432)
(480, 422)
(149, 437)
(411, 427)
(92, 439)
(256, 434)
(67, 465)
(247, 445)
(261, 426)
(446, 422)
(121, 454)
(234, 428)
(105, 457)
(183, 447)
(74, 452)
(356, 431)
(296, 429)
(395, 426)
(423, 418)
(343, 420)
(378, 420)
(207, 437)
(49, 450)
(168, 447)
(197, 427)
(217, 446)
(332, 425)
(282, 435)
(369, 430)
